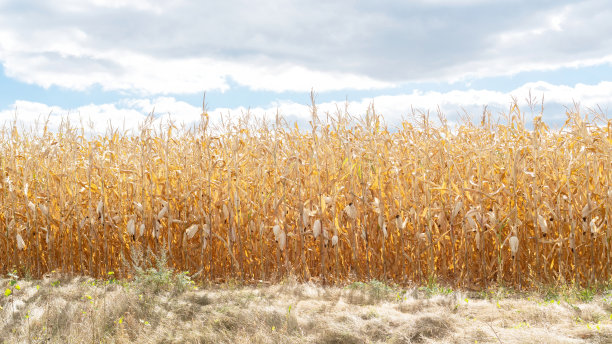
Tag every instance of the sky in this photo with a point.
(112, 62)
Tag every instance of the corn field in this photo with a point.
(346, 199)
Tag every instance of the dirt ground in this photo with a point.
(82, 310)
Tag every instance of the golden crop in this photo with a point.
(344, 200)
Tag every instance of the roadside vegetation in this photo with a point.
(162, 306)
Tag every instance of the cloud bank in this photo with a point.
(128, 114)
(147, 47)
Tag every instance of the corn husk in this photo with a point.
(191, 231)
(20, 243)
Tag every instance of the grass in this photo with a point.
(121, 311)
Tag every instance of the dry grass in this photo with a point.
(493, 203)
(83, 310)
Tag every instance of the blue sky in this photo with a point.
(116, 60)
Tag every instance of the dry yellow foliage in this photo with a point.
(345, 200)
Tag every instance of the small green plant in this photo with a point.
(585, 295)
(13, 283)
(433, 288)
(356, 286)
(182, 282)
(376, 289)
(287, 318)
(161, 278)
(379, 290)
(521, 325)
(550, 294)
(111, 279)
(13, 286)
(27, 318)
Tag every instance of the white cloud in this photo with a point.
(129, 114)
(295, 78)
(93, 118)
(78, 6)
(146, 75)
(394, 108)
(151, 47)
